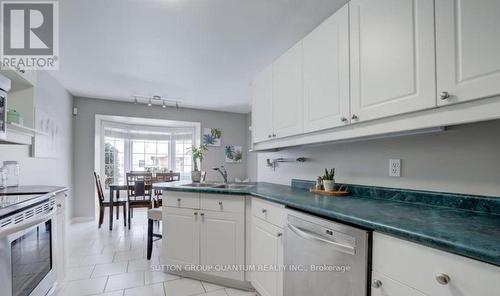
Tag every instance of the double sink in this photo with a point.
(219, 185)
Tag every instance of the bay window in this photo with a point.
(140, 148)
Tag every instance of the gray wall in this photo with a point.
(51, 97)
(233, 126)
(463, 159)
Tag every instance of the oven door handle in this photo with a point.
(26, 225)
(312, 236)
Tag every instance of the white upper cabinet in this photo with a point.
(468, 50)
(288, 93)
(392, 57)
(326, 73)
(262, 124)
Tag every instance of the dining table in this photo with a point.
(115, 188)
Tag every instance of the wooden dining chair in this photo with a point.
(103, 203)
(163, 177)
(139, 193)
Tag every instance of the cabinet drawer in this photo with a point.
(270, 212)
(390, 287)
(223, 203)
(419, 267)
(187, 200)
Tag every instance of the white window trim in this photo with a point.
(154, 124)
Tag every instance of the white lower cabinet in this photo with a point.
(267, 251)
(223, 242)
(206, 237)
(181, 236)
(431, 271)
(385, 286)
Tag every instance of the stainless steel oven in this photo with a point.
(27, 266)
(4, 88)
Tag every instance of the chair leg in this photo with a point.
(124, 214)
(117, 212)
(150, 238)
(129, 216)
(101, 216)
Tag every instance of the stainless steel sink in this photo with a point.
(218, 185)
(234, 186)
(202, 185)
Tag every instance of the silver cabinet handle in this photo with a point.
(179, 200)
(196, 213)
(343, 119)
(202, 214)
(264, 211)
(354, 117)
(59, 205)
(269, 136)
(376, 284)
(220, 203)
(443, 278)
(279, 234)
(444, 95)
(274, 135)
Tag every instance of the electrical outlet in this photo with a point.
(395, 167)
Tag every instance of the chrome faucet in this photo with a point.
(223, 172)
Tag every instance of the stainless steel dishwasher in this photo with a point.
(324, 258)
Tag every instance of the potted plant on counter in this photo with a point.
(329, 180)
(198, 153)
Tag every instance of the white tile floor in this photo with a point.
(113, 263)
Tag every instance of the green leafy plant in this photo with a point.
(216, 133)
(329, 175)
(198, 153)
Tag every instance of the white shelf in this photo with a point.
(19, 135)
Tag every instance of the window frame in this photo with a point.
(128, 138)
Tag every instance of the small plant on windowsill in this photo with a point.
(329, 180)
(198, 154)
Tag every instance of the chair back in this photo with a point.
(100, 193)
(167, 177)
(139, 186)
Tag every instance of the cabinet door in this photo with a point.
(267, 250)
(262, 124)
(468, 49)
(390, 287)
(181, 236)
(288, 93)
(326, 73)
(392, 57)
(223, 242)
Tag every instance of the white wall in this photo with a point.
(57, 102)
(234, 131)
(463, 159)
(252, 156)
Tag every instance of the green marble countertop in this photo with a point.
(467, 233)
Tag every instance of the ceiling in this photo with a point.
(202, 52)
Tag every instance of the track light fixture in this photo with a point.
(154, 101)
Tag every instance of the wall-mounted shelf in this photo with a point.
(18, 135)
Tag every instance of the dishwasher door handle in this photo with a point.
(312, 236)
